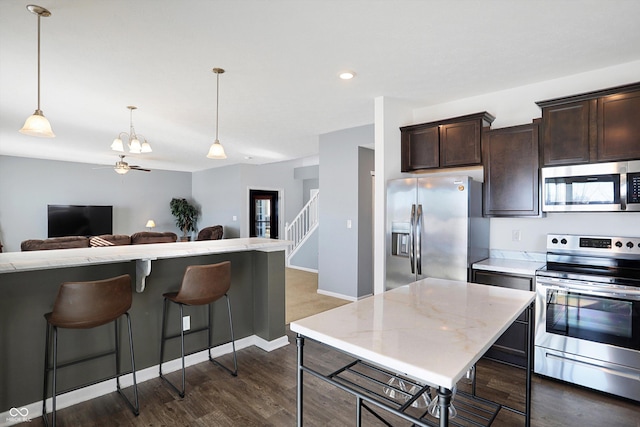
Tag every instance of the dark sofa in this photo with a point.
(68, 242)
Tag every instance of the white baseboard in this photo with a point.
(297, 267)
(33, 410)
(336, 295)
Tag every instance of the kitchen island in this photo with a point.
(29, 283)
(427, 334)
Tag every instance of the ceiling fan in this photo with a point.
(123, 167)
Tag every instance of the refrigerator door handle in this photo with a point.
(419, 240)
(412, 243)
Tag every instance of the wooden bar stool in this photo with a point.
(85, 305)
(201, 285)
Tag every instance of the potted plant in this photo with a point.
(186, 216)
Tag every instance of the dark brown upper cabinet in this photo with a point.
(619, 126)
(445, 143)
(511, 178)
(593, 127)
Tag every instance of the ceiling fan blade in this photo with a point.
(138, 168)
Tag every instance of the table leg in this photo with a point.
(530, 348)
(359, 412)
(300, 345)
(444, 401)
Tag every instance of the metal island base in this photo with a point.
(392, 337)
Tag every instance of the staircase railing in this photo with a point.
(304, 223)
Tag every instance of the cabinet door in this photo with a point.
(619, 127)
(511, 183)
(420, 149)
(565, 138)
(511, 347)
(460, 144)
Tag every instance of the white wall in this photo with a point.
(27, 186)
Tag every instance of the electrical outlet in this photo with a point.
(186, 323)
(516, 236)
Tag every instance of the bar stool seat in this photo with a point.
(201, 285)
(86, 305)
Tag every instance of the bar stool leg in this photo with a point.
(163, 339)
(47, 350)
(115, 324)
(182, 348)
(233, 372)
(135, 407)
(55, 371)
(133, 367)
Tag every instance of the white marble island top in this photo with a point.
(432, 330)
(59, 258)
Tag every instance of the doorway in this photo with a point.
(263, 214)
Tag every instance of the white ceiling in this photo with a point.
(280, 90)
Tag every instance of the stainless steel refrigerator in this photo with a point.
(435, 228)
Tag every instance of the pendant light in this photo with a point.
(216, 151)
(133, 140)
(37, 124)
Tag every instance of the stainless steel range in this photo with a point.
(588, 313)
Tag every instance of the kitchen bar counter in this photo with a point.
(29, 282)
(142, 254)
(431, 331)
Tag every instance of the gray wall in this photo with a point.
(306, 257)
(311, 180)
(27, 186)
(338, 253)
(224, 193)
(365, 221)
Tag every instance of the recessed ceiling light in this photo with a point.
(347, 75)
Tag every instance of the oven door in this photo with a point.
(584, 311)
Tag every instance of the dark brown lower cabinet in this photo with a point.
(511, 347)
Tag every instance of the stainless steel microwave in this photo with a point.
(596, 187)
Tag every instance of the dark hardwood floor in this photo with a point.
(264, 394)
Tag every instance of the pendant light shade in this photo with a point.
(216, 151)
(37, 124)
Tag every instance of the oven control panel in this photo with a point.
(603, 245)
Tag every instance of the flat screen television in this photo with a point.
(70, 220)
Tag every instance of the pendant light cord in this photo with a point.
(217, 101)
(39, 63)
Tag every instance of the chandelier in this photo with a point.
(37, 124)
(133, 140)
(216, 151)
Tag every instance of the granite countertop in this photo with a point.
(525, 263)
(41, 260)
(432, 330)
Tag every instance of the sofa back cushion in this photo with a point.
(66, 242)
(113, 239)
(144, 237)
